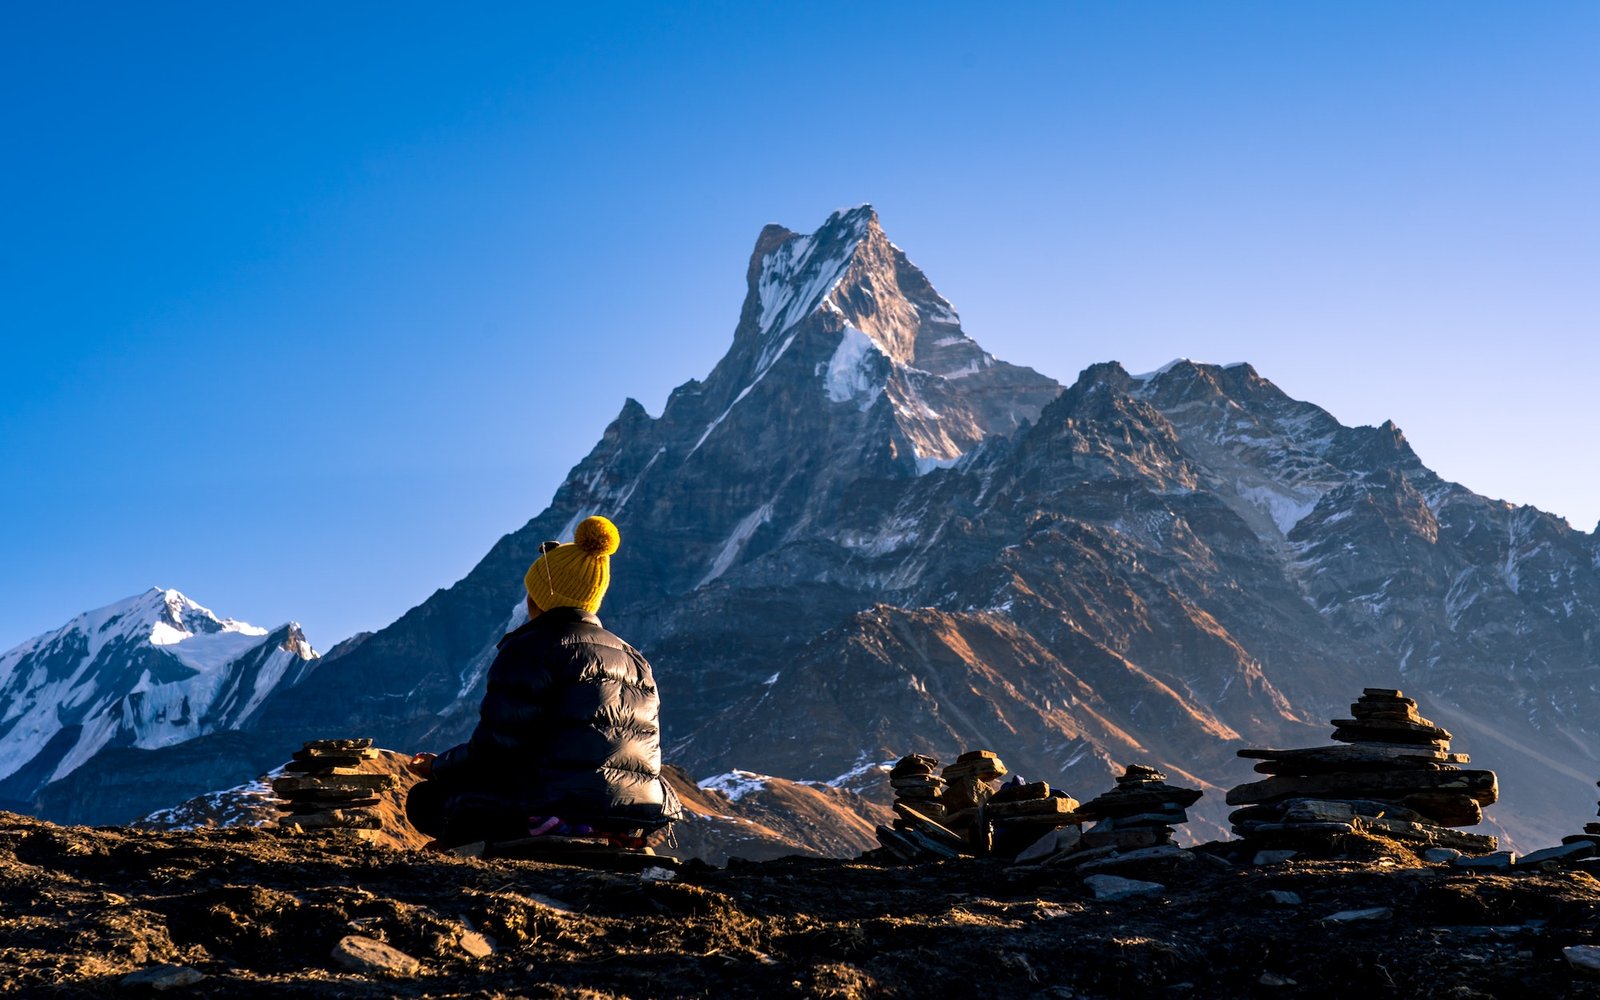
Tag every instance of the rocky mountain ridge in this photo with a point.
(861, 535)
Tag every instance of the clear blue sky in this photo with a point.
(304, 305)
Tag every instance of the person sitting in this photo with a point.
(568, 738)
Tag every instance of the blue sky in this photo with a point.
(305, 305)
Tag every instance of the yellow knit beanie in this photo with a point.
(577, 574)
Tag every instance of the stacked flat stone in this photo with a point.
(1032, 804)
(917, 786)
(969, 783)
(324, 789)
(918, 833)
(1139, 813)
(1392, 775)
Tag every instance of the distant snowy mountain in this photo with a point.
(150, 671)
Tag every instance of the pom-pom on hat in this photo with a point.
(577, 574)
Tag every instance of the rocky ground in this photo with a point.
(89, 912)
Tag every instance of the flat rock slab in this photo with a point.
(1359, 916)
(1480, 785)
(345, 783)
(1117, 887)
(1150, 797)
(1170, 852)
(1031, 807)
(1565, 852)
(1499, 861)
(1383, 754)
(1584, 958)
(1022, 793)
(334, 819)
(364, 954)
(162, 977)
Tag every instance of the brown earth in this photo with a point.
(260, 913)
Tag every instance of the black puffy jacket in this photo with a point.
(569, 727)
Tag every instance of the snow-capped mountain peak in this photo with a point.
(799, 274)
(147, 671)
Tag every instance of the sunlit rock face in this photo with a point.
(862, 535)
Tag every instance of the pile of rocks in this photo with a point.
(916, 787)
(940, 816)
(1133, 823)
(1140, 812)
(1020, 812)
(969, 784)
(962, 812)
(1393, 775)
(325, 789)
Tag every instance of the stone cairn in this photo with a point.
(961, 812)
(1392, 775)
(1139, 813)
(1133, 822)
(324, 789)
(937, 816)
(917, 788)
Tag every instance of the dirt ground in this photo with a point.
(259, 915)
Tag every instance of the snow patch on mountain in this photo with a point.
(736, 542)
(1152, 375)
(1286, 507)
(852, 371)
(927, 463)
(792, 284)
(736, 784)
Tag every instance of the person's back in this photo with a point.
(568, 737)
